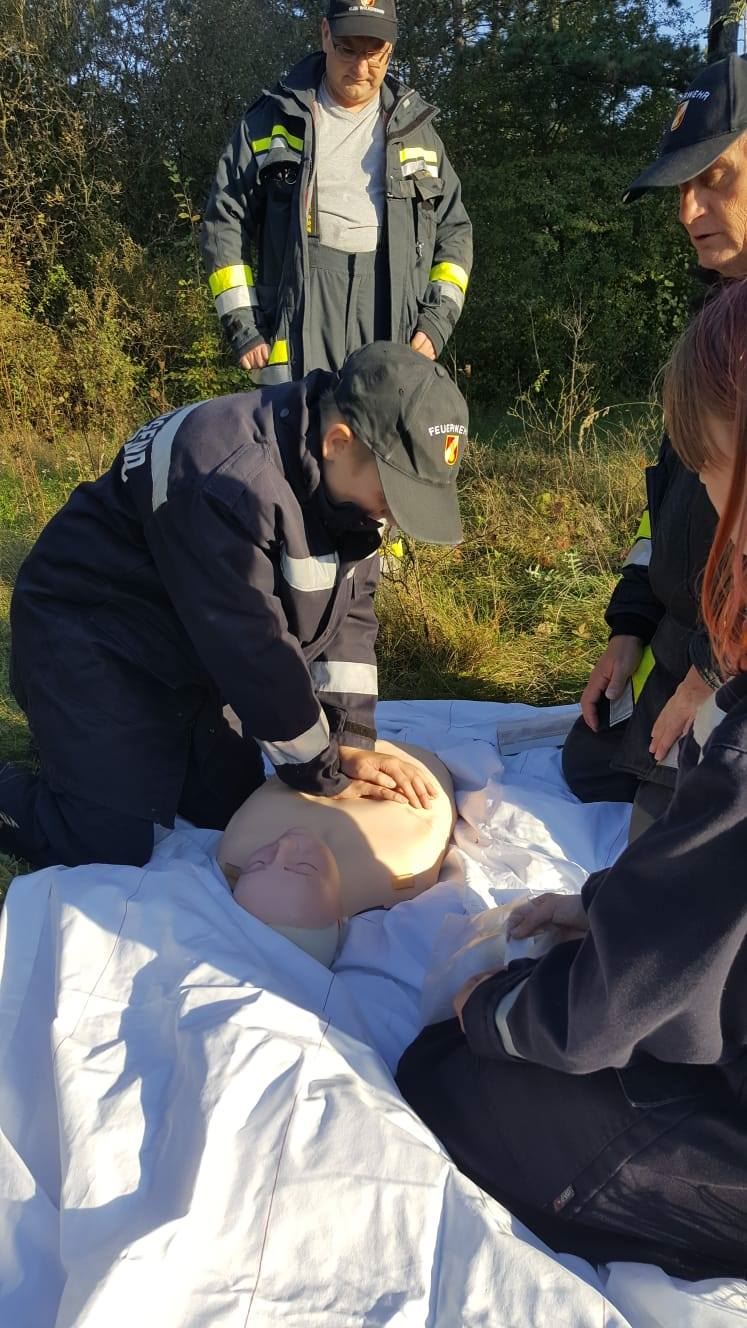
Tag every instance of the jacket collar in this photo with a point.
(403, 107)
(297, 425)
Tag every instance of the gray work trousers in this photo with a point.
(347, 304)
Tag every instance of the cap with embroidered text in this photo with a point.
(363, 18)
(413, 417)
(708, 118)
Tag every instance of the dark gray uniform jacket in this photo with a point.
(261, 211)
(208, 558)
(658, 597)
(660, 980)
(599, 1091)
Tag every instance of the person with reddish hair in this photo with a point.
(599, 1092)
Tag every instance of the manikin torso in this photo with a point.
(385, 851)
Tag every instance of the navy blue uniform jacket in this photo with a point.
(207, 558)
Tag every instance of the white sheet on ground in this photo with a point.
(198, 1124)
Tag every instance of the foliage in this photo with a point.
(112, 117)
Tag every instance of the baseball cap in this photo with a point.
(709, 116)
(414, 419)
(363, 18)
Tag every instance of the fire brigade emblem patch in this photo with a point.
(451, 449)
(679, 115)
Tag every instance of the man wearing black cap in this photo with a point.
(335, 218)
(230, 555)
(657, 670)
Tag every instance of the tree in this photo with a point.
(723, 28)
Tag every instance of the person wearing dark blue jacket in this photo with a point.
(228, 557)
(600, 1091)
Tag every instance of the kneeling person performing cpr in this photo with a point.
(229, 556)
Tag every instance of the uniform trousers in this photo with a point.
(647, 1165)
(589, 768)
(347, 304)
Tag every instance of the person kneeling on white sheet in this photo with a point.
(599, 1091)
(229, 556)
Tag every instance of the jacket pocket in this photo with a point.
(651, 1083)
(428, 191)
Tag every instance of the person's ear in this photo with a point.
(337, 440)
(326, 36)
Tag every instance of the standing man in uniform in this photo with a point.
(230, 555)
(335, 218)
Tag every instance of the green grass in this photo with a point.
(515, 613)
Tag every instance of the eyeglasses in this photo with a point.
(374, 57)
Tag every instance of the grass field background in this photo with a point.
(515, 613)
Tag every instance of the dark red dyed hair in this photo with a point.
(706, 381)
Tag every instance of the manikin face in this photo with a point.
(351, 474)
(356, 67)
(296, 855)
(293, 885)
(713, 210)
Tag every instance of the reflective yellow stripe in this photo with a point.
(279, 353)
(239, 274)
(641, 674)
(417, 154)
(278, 131)
(644, 526)
(450, 272)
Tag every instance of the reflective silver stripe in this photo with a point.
(415, 167)
(335, 675)
(672, 758)
(449, 291)
(310, 573)
(640, 554)
(502, 1011)
(297, 751)
(623, 707)
(160, 454)
(272, 374)
(708, 716)
(239, 297)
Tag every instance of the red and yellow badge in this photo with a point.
(451, 449)
(679, 115)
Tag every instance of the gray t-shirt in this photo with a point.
(350, 174)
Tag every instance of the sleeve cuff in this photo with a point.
(590, 887)
(502, 1011)
(358, 735)
(240, 347)
(630, 624)
(701, 658)
(432, 330)
(479, 1014)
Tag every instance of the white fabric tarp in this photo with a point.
(199, 1125)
